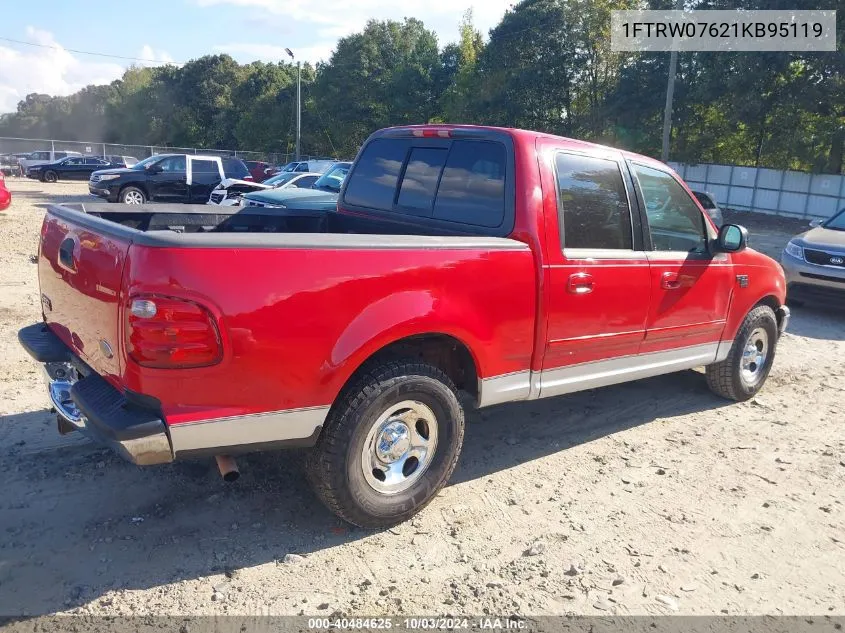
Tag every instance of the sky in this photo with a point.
(161, 31)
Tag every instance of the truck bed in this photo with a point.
(202, 224)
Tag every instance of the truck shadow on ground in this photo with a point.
(78, 522)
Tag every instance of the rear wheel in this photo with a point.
(742, 374)
(50, 176)
(389, 444)
(132, 195)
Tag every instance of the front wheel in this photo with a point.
(742, 374)
(389, 444)
(50, 176)
(132, 195)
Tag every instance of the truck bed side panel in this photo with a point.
(297, 322)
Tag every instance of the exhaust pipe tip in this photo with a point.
(228, 468)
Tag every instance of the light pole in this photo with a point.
(670, 94)
(298, 102)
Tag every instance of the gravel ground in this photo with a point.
(647, 498)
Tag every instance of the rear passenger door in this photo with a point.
(691, 285)
(597, 274)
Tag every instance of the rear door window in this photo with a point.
(593, 210)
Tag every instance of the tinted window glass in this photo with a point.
(233, 168)
(73, 161)
(305, 182)
(61, 155)
(420, 180)
(373, 183)
(472, 188)
(593, 208)
(674, 220)
(41, 156)
(204, 167)
(174, 163)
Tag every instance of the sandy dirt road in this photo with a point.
(647, 498)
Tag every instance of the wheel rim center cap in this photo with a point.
(394, 441)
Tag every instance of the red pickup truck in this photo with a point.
(501, 264)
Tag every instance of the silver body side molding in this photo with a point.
(528, 385)
(505, 388)
(602, 373)
(241, 431)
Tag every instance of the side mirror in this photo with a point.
(816, 222)
(154, 169)
(732, 238)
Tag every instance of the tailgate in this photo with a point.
(80, 271)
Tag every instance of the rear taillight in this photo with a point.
(171, 333)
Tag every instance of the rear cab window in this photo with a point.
(463, 184)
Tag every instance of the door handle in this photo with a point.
(580, 284)
(670, 281)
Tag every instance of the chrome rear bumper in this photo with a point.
(87, 403)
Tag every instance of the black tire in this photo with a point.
(335, 465)
(50, 176)
(132, 193)
(725, 378)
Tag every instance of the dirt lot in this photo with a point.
(645, 498)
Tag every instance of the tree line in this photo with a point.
(546, 66)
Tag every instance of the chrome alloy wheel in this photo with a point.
(399, 447)
(133, 197)
(754, 356)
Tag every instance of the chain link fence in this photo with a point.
(12, 149)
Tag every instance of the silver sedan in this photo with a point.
(814, 262)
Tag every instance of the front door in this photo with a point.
(691, 285)
(171, 183)
(597, 274)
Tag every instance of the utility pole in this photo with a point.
(298, 102)
(670, 94)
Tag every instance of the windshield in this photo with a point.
(147, 161)
(332, 180)
(279, 179)
(290, 167)
(837, 222)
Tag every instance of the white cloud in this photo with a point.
(54, 70)
(326, 23)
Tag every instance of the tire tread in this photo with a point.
(325, 463)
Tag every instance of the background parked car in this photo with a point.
(122, 161)
(814, 262)
(321, 196)
(313, 166)
(230, 191)
(708, 201)
(72, 168)
(9, 165)
(259, 170)
(166, 178)
(5, 194)
(40, 158)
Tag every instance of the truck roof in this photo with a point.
(527, 135)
